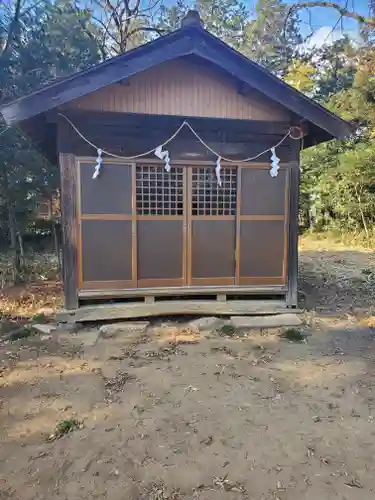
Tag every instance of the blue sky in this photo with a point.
(324, 16)
(323, 19)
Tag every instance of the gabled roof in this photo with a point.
(190, 39)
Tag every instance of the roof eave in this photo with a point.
(183, 42)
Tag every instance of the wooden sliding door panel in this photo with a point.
(262, 194)
(160, 225)
(211, 222)
(160, 249)
(262, 227)
(110, 193)
(106, 252)
(213, 248)
(262, 245)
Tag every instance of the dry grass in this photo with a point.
(25, 301)
(40, 287)
(337, 274)
(330, 264)
(337, 241)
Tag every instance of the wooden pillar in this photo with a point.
(69, 228)
(292, 294)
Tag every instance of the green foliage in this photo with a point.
(293, 335)
(224, 18)
(65, 427)
(273, 37)
(49, 40)
(300, 75)
(42, 40)
(338, 181)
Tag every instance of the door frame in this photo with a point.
(186, 280)
(212, 280)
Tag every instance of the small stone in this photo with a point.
(46, 311)
(44, 328)
(70, 327)
(45, 337)
(205, 323)
(113, 329)
(272, 321)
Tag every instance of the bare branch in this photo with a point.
(147, 28)
(343, 11)
(136, 7)
(12, 29)
(106, 28)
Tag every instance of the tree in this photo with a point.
(124, 24)
(170, 17)
(273, 37)
(338, 177)
(366, 22)
(300, 75)
(39, 42)
(224, 18)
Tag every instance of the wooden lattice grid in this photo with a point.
(208, 198)
(159, 192)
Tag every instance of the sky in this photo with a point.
(324, 19)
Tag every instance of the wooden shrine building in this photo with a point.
(194, 204)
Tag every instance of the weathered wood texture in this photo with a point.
(262, 250)
(194, 307)
(160, 249)
(262, 227)
(188, 41)
(213, 248)
(111, 195)
(182, 88)
(292, 295)
(166, 291)
(202, 251)
(69, 227)
(131, 135)
(106, 250)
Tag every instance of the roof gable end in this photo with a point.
(191, 39)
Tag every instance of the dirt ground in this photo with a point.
(172, 414)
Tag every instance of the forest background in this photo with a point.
(324, 49)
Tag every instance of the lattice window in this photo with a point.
(208, 198)
(159, 192)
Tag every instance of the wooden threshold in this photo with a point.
(182, 290)
(179, 307)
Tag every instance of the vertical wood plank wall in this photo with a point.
(181, 88)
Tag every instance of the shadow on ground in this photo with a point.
(174, 415)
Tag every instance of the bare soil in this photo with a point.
(172, 414)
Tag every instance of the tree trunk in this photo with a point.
(361, 211)
(15, 251)
(21, 248)
(56, 245)
(16, 260)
